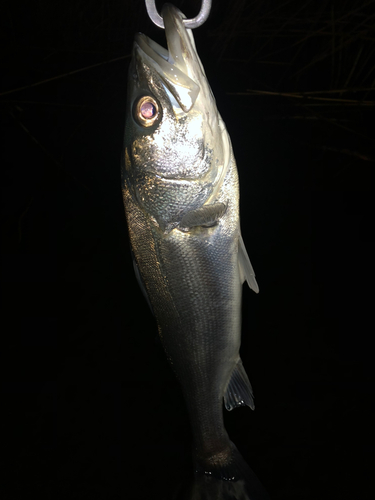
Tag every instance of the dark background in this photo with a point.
(91, 405)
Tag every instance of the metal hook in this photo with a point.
(189, 23)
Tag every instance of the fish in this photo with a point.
(181, 195)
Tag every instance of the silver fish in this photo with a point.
(181, 196)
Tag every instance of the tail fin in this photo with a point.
(234, 480)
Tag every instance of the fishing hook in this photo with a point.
(189, 23)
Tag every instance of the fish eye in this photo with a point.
(147, 111)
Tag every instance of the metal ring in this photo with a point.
(189, 23)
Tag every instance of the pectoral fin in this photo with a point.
(206, 216)
(245, 268)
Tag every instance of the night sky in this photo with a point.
(92, 407)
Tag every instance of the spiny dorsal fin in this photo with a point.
(140, 281)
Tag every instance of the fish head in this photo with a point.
(176, 145)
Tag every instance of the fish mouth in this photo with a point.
(178, 65)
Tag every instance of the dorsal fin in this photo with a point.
(140, 281)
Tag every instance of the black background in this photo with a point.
(92, 408)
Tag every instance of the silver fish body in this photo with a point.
(181, 195)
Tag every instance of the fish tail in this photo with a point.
(232, 479)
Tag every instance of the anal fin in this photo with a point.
(239, 391)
